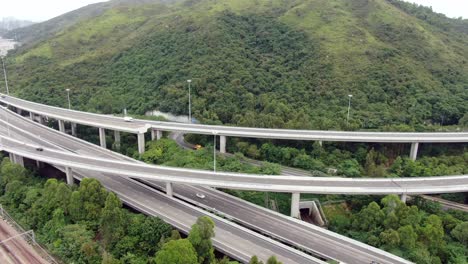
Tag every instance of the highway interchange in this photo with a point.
(302, 235)
(289, 230)
(231, 239)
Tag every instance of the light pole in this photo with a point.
(349, 107)
(4, 73)
(189, 102)
(68, 96)
(214, 150)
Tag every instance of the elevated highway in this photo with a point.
(231, 239)
(302, 235)
(271, 183)
(140, 126)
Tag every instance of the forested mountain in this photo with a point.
(265, 63)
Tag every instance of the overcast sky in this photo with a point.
(40, 10)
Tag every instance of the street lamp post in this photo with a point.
(5, 74)
(68, 97)
(349, 107)
(214, 150)
(189, 102)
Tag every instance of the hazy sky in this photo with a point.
(451, 8)
(40, 10)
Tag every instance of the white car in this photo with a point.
(128, 119)
(200, 195)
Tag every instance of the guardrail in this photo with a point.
(28, 236)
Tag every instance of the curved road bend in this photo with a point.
(254, 218)
(233, 240)
(140, 126)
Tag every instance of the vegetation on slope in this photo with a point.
(87, 224)
(421, 233)
(265, 63)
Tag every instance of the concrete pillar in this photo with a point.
(320, 143)
(117, 139)
(403, 197)
(69, 174)
(73, 129)
(12, 157)
(41, 120)
(39, 164)
(31, 116)
(169, 189)
(19, 111)
(102, 137)
(61, 126)
(18, 160)
(414, 150)
(295, 204)
(141, 143)
(156, 134)
(222, 144)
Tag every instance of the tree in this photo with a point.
(460, 232)
(273, 260)
(75, 207)
(390, 238)
(52, 227)
(433, 233)
(369, 218)
(112, 219)
(254, 260)
(200, 236)
(93, 196)
(10, 172)
(177, 252)
(408, 237)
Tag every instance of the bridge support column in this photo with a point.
(117, 139)
(320, 143)
(12, 157)
(403, 197)
(156, 134)
(18, 160)
(73, 129)
(41, 120)
(295, 199)
(169, 189)
(61, 126)
(39, 164)
(141, 143)
(414, 150)
(102, 137)
(31, 116)
(19, 111)
(222, 144)
(69, 174)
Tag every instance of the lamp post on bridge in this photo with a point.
(68, 97)
(189, 102)
(349, 108)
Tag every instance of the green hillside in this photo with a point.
(264, 63)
